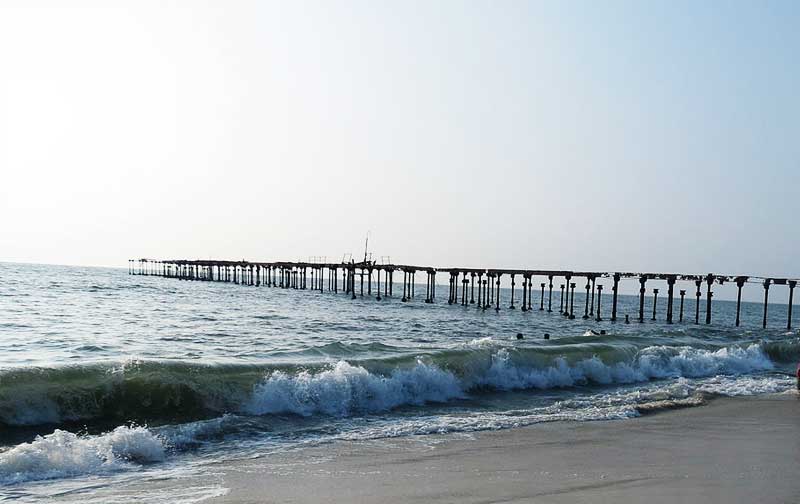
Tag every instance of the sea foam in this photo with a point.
(347, 389)
(66, 454)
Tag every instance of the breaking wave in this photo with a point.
(158, 392)
(65, 454)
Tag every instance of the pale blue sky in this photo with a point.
(658, 136)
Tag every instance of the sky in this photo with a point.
(612, 136)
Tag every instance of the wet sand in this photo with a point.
(729, 451)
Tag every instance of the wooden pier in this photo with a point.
(467, 286)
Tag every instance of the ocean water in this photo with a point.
(109, 380)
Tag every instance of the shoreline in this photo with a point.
(740, 450)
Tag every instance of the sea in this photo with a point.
(111, 382)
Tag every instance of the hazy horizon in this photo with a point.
(616, 137)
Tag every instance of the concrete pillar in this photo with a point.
(498, 292)
(655, 302)
(472, 288)
(642, 290)
(550, 296)
(405, 286)
(670, 296)
(683, 294)
(697, 294)
(572, 301)
(709, 281)
(591, 304)
(599, 293)
(614, 293)
(524, 293)
(766, 301)
(541, 300)
(561, 303)
(513, 284)
(586, 309)
(792, 285)
(739, 284)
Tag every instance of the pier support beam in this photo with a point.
(498, 292)
(561, 303)
(586, 309)
(513, 285)
(766, 301)
(670, 297)
(739, 284)
(642, 290)
(655, 301)
(472, 288)
(572, 301)
(599, 294)
(614, 293)
(792, 285)
(709, 281)
(550, 297)
(683, 294)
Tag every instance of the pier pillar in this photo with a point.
(655, 301)
(378, 298)
(498, 291)
(405, 286)
(550, 297)
(513, 284)
(369, 282)
(472, 288)
(561, 303)
(586, 309)
(599, 293)
(697, 294)
(464, 290)
(709, 281)
(739, 284)
(766, 301)
(792, 285)
(642, 290)
(353, 283)
(541, 300)
(427, 288)
(491, 289)
(450, 284)
(591, 304)
(614, 293)
(524, 293)
(670, 297)
(572, 301)
(683, 294)
(530, 291)
(480, 289)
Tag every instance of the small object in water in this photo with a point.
(593, 332)
(546, 335)
(519, 335)
(602, 331)
(627, 320)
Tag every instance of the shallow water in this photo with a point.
(106, 378)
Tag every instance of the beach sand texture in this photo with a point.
(733, 450)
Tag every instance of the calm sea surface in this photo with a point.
(108, 379)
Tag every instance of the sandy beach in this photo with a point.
(728, 451)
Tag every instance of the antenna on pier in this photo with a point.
(366, 246)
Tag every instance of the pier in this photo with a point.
(478, 287)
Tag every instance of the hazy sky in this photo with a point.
(658, 136)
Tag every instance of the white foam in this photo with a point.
(345, 389)
(65, 454)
